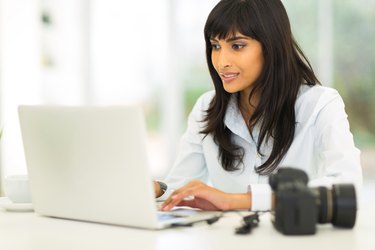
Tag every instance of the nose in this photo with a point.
(223, 59)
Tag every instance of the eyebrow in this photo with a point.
(231, 39)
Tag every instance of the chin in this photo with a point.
(231, 89)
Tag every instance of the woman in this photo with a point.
(267, 111)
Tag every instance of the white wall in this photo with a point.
(19, 75)
(92, 52)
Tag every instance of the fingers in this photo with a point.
(205, 197)
(199, 203)
(178, 195)
(187, 203)
(176, 198)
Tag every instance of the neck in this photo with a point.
(247, 106)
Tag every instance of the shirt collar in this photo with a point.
(234, 120)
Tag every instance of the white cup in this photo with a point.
(16, 188)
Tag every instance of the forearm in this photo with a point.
(244, 201)
(239, 201)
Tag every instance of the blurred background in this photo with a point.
(92, 52)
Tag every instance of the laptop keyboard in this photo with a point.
(162, 216)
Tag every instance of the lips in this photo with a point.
(228, 76)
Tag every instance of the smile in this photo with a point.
(228, 77)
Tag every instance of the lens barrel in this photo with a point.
(337, 206)
(344, 205)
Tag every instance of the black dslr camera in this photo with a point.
(298, 208)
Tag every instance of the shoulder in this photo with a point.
(203, 102)
(316, 93)
(198, 113)
(206, 98)
(312, 100)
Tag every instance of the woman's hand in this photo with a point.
(158, 191)
(205, 198)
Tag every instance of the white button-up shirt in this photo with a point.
(322, 146)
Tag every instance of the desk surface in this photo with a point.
(31, 231)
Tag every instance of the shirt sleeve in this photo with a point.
(338, 158)
(261, 197)
(190, 163)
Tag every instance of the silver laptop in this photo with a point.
(91, 164)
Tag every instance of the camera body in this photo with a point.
(299, 208)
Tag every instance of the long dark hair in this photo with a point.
(285, 69)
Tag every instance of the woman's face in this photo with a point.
(238, 60)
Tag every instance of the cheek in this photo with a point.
(256, 66)
(251, 72)
(214, 60)
(259, 65)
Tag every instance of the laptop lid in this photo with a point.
(91, 164)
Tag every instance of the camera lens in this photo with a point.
(337, 206)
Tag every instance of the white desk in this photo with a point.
(30, 231)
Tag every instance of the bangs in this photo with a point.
(226, 20)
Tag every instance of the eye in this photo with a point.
(215, 46)
(238, 46)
